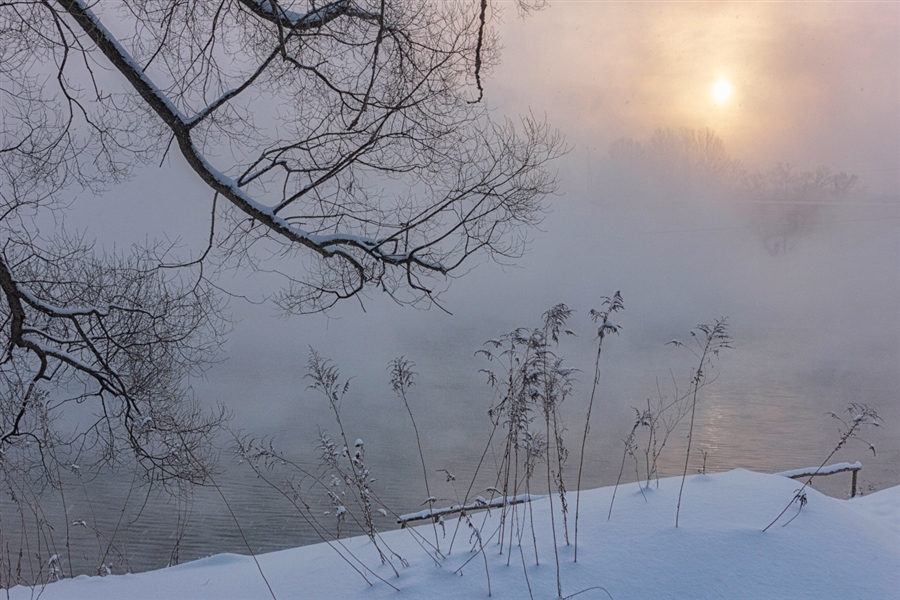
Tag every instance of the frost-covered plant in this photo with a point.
(263, 458)
(345, 481)
(708, 341)
(801, 500)
(604, 327)
(555, 385)
(513, 414)
(37, 538)
(346, 461)
(83, 537)
(403, 378)
(629, 450)
(660, 419)
(860, 416)
(335, 493)
(702, 469)
(532, 384)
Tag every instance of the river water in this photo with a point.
(813, 332)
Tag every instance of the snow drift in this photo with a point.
(832, 549)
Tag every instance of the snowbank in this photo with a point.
(833, 549)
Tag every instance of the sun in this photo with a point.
(722, 91)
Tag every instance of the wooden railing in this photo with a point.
(478, 504)
(826, 470)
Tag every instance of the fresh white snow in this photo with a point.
(832, 549)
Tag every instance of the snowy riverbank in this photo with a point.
(832, 549)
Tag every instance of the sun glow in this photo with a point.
(721, 91)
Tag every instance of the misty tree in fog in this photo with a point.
(781, 205)
(348, 141)
(785, 204)
(679, 160)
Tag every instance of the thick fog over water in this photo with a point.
(813, 86)
(810, 283)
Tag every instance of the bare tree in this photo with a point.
(348, 137)
(94, 356)
(781, 205)
(343, 135)
(682, 160)
(784, 204)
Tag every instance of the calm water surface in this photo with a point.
(765, 412)
(813, 332)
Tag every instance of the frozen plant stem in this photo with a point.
(628, 444)
(237, 524)
(260, 459)
(610, 305)
(716, 337)
(860, 415)
(555, 389)
(325, 378)
(402, 378)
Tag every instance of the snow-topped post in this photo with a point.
(841, 467)
(859, 416)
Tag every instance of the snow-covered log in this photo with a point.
(478, 504)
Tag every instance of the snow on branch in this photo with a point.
(374, 102)
(314, 19)
(219, 181)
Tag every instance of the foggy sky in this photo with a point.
(814, 82)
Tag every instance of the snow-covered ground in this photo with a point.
(832, 549)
